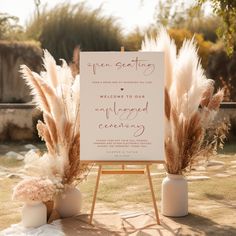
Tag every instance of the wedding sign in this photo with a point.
(122, 106)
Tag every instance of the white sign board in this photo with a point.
(122, 106)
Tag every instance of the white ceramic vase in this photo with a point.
(174, 196)
(34, 214)
(69, 202)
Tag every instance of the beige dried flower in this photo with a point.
(34, 189)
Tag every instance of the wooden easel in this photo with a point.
(124, 171)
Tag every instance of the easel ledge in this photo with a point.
(125, 171)
(122, 162)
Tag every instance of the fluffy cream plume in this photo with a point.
(56, 103)
(46, 165)
(185, 68)
(50, 66)
(36, 89)
(189, 81)
(76, 103)
(149, 44)
(65, 79)
(164, 43)
(192, 99)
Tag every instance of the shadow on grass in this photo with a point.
(107, 224)
(219, 198)
(204, 226)
(79, 226)
(215, 197)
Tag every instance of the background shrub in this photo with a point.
(66, 26)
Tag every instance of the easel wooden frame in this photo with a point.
(125, 171)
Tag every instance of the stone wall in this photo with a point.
(18, 122)
(12, 55)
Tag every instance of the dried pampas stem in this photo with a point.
(167, 104)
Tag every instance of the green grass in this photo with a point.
(10, 162)
(114, 190)
(131, 192)
(9, 210)
(216, 189)
(229, 148)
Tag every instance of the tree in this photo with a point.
(133, 40)
(9, 27)
(180, 15)
(226, 10)
(170, 14)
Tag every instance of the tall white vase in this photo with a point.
(34, 214)
(69, 203)
(174, 196)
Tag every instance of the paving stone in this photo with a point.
(3, 146)
(160, 167)
(221, 175)
(199, 168)
(3, 171)
(197, 178)
(214, 163)
(14, 155)
(157, 174)
(198, 172)
(215, 167)
(30, 146)
(15, 176)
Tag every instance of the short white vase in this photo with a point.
(34, 214)
(174, 196)
(69, 203)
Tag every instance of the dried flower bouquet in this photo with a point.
(190, 104)
(34, 189)
(57, 93)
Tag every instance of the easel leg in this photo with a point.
(153, 195)
(95, 194)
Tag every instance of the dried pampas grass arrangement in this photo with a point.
(56, 92)
(190, 105)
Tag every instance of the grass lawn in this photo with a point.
(212, 202)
